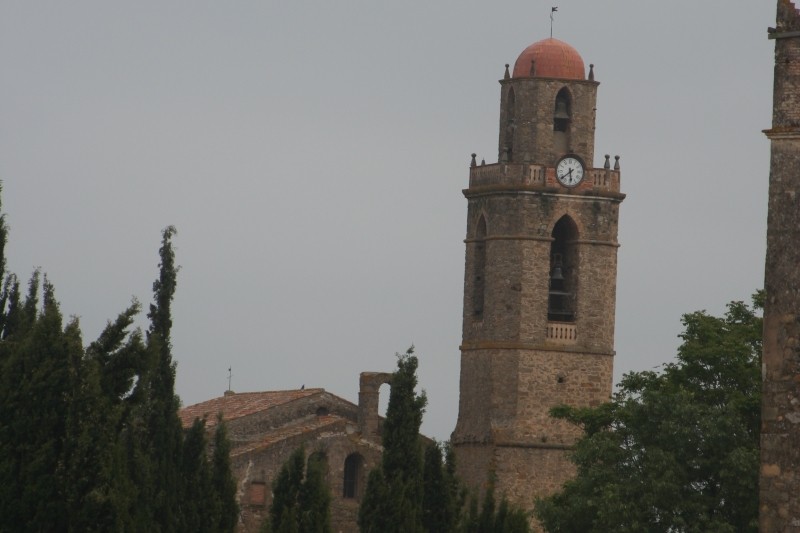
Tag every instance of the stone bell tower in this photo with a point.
(540, 279)
(779, 481)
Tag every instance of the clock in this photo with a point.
(569, 170)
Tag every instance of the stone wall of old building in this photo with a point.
(369, 420)
(779, 483)
(256, 468)
(265, 428)
(260, 423)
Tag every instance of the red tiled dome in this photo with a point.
(554, 59)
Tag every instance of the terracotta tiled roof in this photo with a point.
(306, 425)
(554, 59)
(237, 405)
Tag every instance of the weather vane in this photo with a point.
(552, 11)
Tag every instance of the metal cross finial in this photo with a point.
(552, 10)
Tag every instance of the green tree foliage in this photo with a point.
(156, 430)
(677, 450)
(37, 387)
(401, 478)
(414, 490)
(301, 499)
(197, 503)
(89, 437)
(222, 481)
(491, 518)
(442, 497)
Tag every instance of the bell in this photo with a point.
(557, 274)
(561, 110)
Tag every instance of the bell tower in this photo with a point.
(540, 279)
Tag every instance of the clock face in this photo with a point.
(569, 171)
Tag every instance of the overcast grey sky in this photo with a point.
(312, 156)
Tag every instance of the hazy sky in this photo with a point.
(312, 156)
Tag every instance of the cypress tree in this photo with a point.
(90, 439)
(223, 484)
(402, 462)
(438, 504)
(36, 388)
(457, 493)
(285, 489)
(300, 502)
(505, 518)
(12, 315)
(315, 498)
(163, 432)
(372, 517)
(58, 426)
(487, 517)
(197, 508)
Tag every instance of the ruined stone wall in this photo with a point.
(779, 483)
(369, 420)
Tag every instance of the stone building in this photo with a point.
(540, 279)
(779, 483)
(266, 427)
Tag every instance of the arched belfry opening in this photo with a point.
(562, 119)
(511, 106)
(479, 262)
(563, 271)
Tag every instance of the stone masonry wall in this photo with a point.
(524, 474)
(243, 429)
(534, 106)
(259, 467)
(779, 482)
(518, 240)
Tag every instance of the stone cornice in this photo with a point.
(506, 81)
(783, 34)
(492, 190)
(781, 133)
(511, 345)
(510, 238)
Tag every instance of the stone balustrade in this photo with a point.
(562, 332)
(534, 176)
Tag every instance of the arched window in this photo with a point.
(479, 264)
(511, 106)
(353, 475)
(562, 117)
(563, 271)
